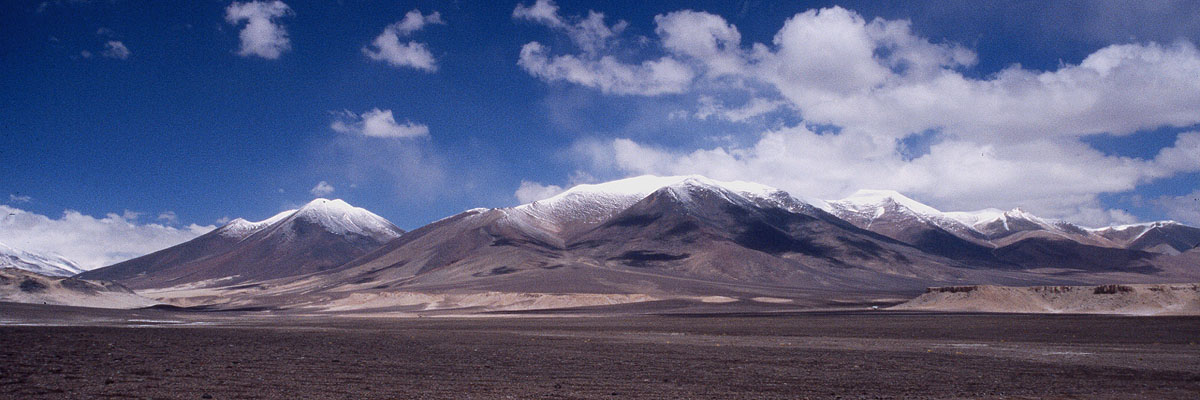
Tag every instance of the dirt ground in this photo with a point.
(116, 354)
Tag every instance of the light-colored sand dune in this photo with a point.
(1145, 299)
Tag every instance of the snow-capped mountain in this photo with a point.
(1019, 239)
(685, 235)
(593, 203)
(670, 235)
(320, 235)
(1003, 227)
(869, 208)
(896, 216)
(1168, 237)
(45, 264)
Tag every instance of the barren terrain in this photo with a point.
(59, 352)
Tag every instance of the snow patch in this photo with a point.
(45, 264)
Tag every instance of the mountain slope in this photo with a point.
(45, 264)
(1167, 237)
(321, 235)
(899, 217)
(690, 237)
(1016, 239)
(635, 239)
(22, 286)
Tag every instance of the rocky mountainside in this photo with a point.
(321, 235)
(646, 238)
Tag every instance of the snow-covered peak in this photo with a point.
(45, 264)
(340, 217)
(1143, 226)
(870, 200)
(976, 218)
(241, 228)
(593, 203)
(336, 216)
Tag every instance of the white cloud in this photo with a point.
(1053, 178)
(85, 54)
(544, 12)
(711, 108)
(590, 34)
(1185, 208)
(376, 123)
(322, 189)
(223, 220)
(387, 47)
(530, 192)
(591, 67)
(662, 76)
(15, 198)
(92, 242)
(704, 37)
(413, 21)
(115, 49)
(263, 35)
(168, 217)
(1005, 140)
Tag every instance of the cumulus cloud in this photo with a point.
(387, 46)
(263, 35)
(322, 189)
(530, 192)
(591, 67)
(115, 49)
(376, 123)
(1005, 140)
(90, 241)
(16, 198)
(1185, 208)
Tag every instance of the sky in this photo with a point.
(129, 126)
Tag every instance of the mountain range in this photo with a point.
(44, 264)
(654, 237)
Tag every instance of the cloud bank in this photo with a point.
(89, 241)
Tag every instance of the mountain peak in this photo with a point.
(240, 228)
(877, 198)
(591, 203)
(334, 215)
(1141, 225)
(340, 217)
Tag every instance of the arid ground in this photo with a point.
(59, 352)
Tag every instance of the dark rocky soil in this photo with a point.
(809, 355)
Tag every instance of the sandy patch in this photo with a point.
(1144, 299)
(772, 300)
(491, 301)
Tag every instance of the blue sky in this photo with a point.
(178, 120)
